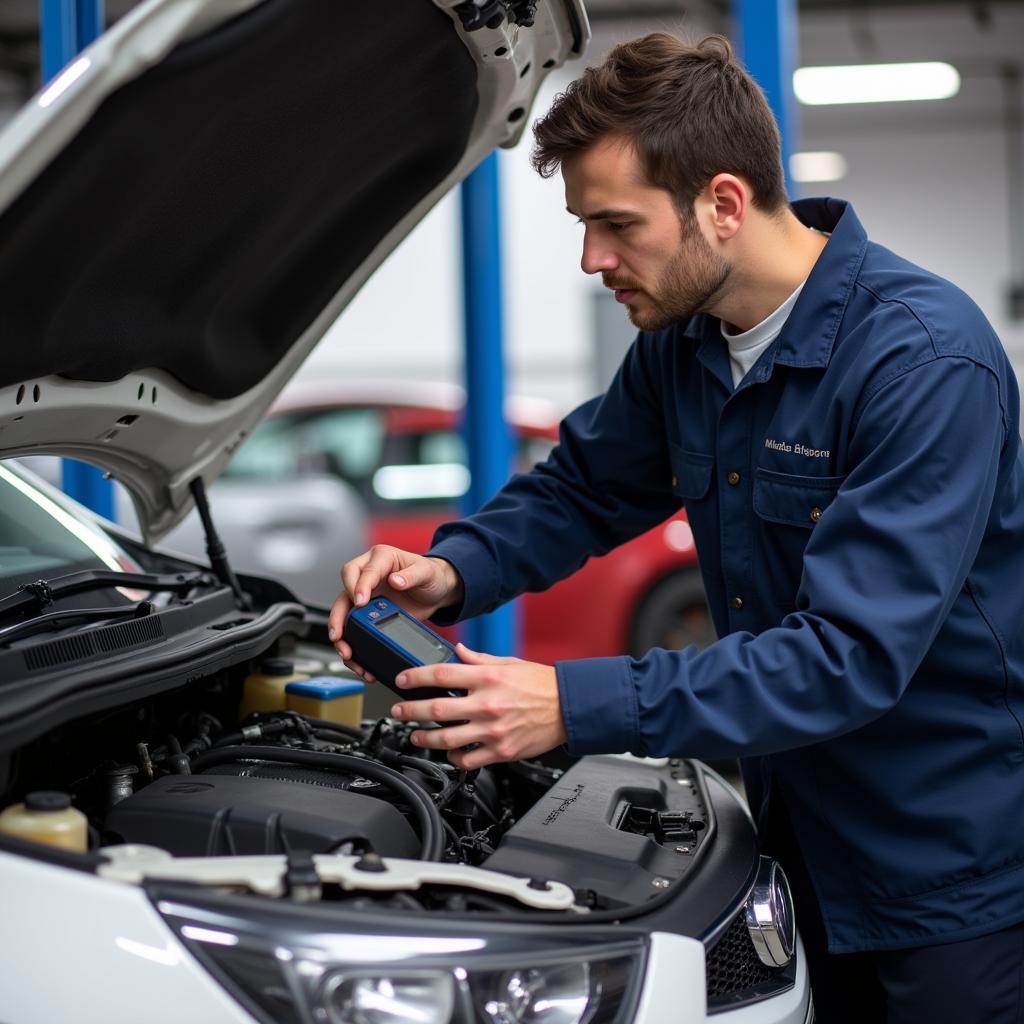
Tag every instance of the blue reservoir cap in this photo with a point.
(325, 687)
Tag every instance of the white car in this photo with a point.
(183, 212)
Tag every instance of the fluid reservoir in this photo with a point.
(264, 690)
(47, 817)
(328, 697)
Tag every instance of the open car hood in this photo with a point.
(190, 204)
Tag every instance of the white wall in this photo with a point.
(928, 180)
(952, 222)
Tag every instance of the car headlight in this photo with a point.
(336, 967)
(561, 994)
(388, 999)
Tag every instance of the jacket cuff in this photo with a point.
(479, 578)
(599, 706)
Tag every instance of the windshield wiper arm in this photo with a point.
(51, 620)
(43, 593)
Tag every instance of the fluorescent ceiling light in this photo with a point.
(876, 83)
(817, 166)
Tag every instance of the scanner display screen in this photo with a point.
(418, 642)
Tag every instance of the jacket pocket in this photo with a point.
(691, 472)
(793, 500)
(787, 508)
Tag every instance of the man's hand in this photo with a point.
(418, 584)
(511, 708)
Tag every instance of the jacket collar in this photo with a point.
(810, 331)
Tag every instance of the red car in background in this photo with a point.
(399, 447)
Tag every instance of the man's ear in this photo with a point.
(726, 200)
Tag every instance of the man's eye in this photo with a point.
(616, 226)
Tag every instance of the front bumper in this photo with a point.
(77, 947)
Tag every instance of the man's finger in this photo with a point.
(434, 709)
(416, 574)
(447, 676)
(361, 581)
(451, 737)
(471, 657)
(336, 623)
(478, 757)
(359, 671)
(351, 569)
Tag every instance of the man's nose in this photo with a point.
(597, 258)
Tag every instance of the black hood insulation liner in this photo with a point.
(211, 208)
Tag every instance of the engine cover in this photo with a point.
(221, 814)
(615, 832)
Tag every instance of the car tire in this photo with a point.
(673, 614)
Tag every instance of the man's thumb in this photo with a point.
(412, 575)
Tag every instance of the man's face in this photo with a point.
(660, 265)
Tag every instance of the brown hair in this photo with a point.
(691, 111)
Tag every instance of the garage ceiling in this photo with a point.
(856, 19)
(654, 8)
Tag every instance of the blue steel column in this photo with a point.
(768, 41)
(487, 437)
(67, 26)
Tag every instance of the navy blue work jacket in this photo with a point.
(858, 509)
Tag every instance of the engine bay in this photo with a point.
(191, 775)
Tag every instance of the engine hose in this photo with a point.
(326, 723)
(453, 835)
(427, 767)
(267, 729)
(448, 784)
(427, 815)
(330, 736)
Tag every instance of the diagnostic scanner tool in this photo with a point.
(386, 640)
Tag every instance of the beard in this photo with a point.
(692, 280)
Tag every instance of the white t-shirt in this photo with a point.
(746, 347)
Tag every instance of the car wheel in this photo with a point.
(673, 615)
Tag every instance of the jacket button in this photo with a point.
(675, 481)
(737, 603)
(815, 514)
(733, 478)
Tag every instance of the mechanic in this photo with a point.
(842, 428)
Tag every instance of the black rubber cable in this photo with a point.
(335, 736)
(420, 763)
(326, 723)
(428, 816)
(234, 738)
(449, 784)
